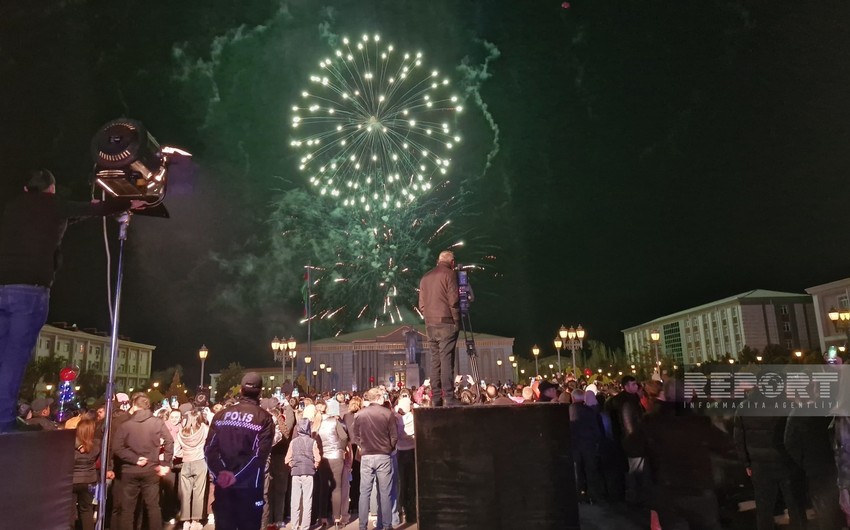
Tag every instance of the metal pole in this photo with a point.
(573, 350)
(657, 364)
(282, 368)
(124, 221)
(202, 372)
(559, 360)
(293, 371)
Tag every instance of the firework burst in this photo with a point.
(375, 128)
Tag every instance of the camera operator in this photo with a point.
(439, 302)
(30, 236)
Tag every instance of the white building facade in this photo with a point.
(711, 331)
(825, 297)
(90, 351)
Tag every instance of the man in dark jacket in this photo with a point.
(626, 412)
(678, 448)
(238, 446)
(439, 303)
(585, 437)
(375, 432)
(30, 235)
(137, 445)
(759, 441)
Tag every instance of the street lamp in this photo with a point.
(307, 360)
(563, 333)
(512, 360)
(202, 354)
(271, 383)
(759, 358)
(798, 354)
(536, 351)
(329, 374)
(156, 384)
(655, 337)
(499, 364)
(284, 349)
(575, 341)
(321, 373)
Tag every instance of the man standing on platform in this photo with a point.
(30, 234)
(439, 303)
(375, 432)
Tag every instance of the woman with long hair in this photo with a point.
(193, 477)
(86, 451)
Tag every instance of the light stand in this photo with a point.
(129, 164)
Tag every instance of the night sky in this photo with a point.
(651, 155)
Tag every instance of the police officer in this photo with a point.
(238, 446)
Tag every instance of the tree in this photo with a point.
(230, 378)
(46, 368)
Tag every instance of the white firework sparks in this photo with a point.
(376, 125)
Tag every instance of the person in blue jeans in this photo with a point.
(31, 232)
(375, 432)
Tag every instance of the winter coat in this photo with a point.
(239, 441)
(143, 434)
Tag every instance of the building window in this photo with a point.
(789, 344)
(844, 302)
(783, 309)
(786, 326)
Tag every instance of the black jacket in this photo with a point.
(626, 412)
(585, 427)
(678, 446)
(32, 230)
(808, 441)
(143, 434)
(375, 430)
(84, 464)
(240, 441)
(439, 300)
(760, 441)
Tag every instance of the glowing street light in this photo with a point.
(202, 354)
(284, 349)
(655, 338)
(573, 341)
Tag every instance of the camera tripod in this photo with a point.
(466, 296)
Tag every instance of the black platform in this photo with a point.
(493, 467)
(37, 477)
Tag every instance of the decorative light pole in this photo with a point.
(271, 383)
(499, 364)
(563, 332)
(536, 351)
(655, 338)
(841, 320)
(329, 374)
(307, 360)
(321, 374)
(512, 360)
(575, 341)
(284, 349)
(202, 354)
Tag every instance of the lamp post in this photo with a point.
(499, 364)
(271, 383)
(284, 349)
(202, 354)
(575, 341)
(563, 332)
(551, 367)
(329, 374)
(798, 354)
(307, 360)
(841, 320)
(512, 360)
(321, 374)
(655, 337)
(536, 351)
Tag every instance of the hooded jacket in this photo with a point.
(239, 441)
(142, 435)
(303, 455)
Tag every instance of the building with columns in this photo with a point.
(833, 295)
(90, 349)
(388, 355)
(708, 332)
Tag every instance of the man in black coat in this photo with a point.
(678, 448)
(626, 412)
(439, 303)
(585, 437)
(759, 441)
(137, 445)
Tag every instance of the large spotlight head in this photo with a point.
(130, 163)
